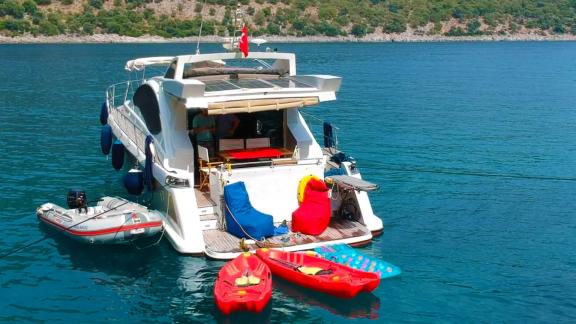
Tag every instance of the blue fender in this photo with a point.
(104, 114)
(134, 182)
(117, 155)
(106, 139)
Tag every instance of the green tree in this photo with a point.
(12, 8)
(273, 29)
(474, 27)
(48, 28)
(29, 7)
(359, 30)
(96, 3)
(396, 24)
(16, 26)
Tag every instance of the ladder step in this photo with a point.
(206, 217)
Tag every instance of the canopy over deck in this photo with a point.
(140, 63)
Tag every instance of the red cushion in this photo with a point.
(313, 215)
(257, 153)
(316, 185)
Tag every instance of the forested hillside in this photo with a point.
(181, 18)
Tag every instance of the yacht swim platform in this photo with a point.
(221, 244)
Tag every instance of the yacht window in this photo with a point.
(145, 100)
(262, 124)
(171, 71)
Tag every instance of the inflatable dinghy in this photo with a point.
(112, 221)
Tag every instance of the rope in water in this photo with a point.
(378, 166)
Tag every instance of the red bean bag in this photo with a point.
(313, 215)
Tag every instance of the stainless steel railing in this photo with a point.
(118, 98)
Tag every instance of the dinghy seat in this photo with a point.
(244, 281)
(243, 220)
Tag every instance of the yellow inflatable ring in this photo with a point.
(302, 186)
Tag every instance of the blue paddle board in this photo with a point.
(344, 254)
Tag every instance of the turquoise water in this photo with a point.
(473, 144)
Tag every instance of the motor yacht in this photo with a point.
(271, 150)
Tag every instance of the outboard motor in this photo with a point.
(77, 199)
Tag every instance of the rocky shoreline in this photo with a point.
(403, 37)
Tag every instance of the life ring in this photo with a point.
(302, 186)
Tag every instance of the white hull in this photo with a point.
(193, 220)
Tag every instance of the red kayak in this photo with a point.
(310, 271)
(243, 284)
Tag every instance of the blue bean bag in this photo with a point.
(243, 220)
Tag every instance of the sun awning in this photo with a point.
(255, 105)
(141, 63)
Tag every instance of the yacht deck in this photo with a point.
(220, 242)
(203, 199)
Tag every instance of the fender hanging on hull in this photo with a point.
(117, 155)
(106, 139)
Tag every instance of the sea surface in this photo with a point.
(473, 146)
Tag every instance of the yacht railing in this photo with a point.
(316, 126)
(128, 120)
(119, 93)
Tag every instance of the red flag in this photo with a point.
(243, 44)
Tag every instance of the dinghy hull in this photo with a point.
(112, 221)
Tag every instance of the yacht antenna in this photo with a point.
(201, 23)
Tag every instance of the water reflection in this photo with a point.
(365, 305)
(125, 260)
(247, 317)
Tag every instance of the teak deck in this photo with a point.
(223, 242)
(203, 198)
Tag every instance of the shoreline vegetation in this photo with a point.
(160, 21)
(381, 38)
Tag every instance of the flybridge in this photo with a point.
(284, 61)
(229, 83)
(250, 95)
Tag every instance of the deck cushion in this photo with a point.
(241, 217)
(313, 215)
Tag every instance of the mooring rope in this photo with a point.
(264, 242)
(417, 169)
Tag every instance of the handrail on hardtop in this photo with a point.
(318, 122)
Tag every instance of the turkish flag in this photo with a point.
(243, 44)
